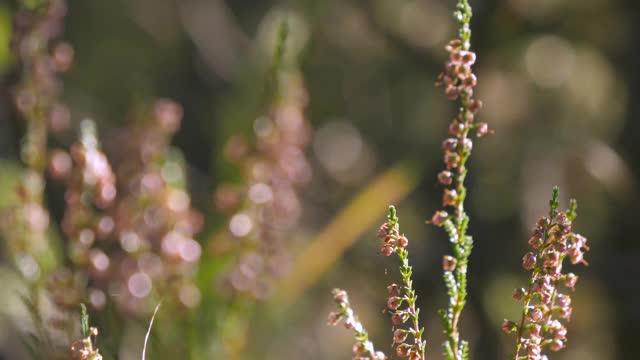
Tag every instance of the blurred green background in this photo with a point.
(558, 78)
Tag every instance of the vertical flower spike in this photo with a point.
(363, 348)
(85, 349)
(552, 240)
(459, 82)
(42, 58)
(401, 303)
(265, 205)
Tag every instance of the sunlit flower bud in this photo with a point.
(467, 144)
(449, 263)
(475, 105)
(529, 261)
(535, 242)
(379, 355)
(393, 290)
(509, 326)
(399, 336)
(545, 298)
(445, 177)
(535, 330)
(468, 57)
(451, 160)
(334, 318)
(518, 294)
(534, 351)
(451, 91)
(403, 242)
(383, 231)
(456, 128)
(575, 255)
(450, 197)
(439, 218)
(402, 350)
(535, 314)
(62, 57)
(455, 56)
(450, 144)
(414, 355)
(394, 302)
(453, 45)
(556, 345)
(398, 318)
(387, 249)
(570, 280)
(340, 296)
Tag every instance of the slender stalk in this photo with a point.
(392, 236)
(459, 81)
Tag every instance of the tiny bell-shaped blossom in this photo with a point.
(445, 177)
(509, 326)
(403, 350)
(450, 197)
(399, 336)
(529, 261)
(403, 242)
(535, 314)
(449, 263)
(393, 290)
(518, 294)
(439, 218)
(394, 302)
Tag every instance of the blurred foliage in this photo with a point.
(559, 79)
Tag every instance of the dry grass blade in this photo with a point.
(146, 337)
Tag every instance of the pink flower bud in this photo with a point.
(394, 302)
(450, 144)
(450, 197)
(402, 350)
(393, 290)
(383, 231)
(518, 294)
(387, 249)
(445, 177)
(535, 314)
(449, 263)
(439, 218)
(340, 296)
(509, 326)
(399, 336)
(403, 242)
(529, 261)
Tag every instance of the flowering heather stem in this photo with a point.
(395, 242)
(459, 81)
(363, 348)
(553, 240)
(42, 57)
(85, 349)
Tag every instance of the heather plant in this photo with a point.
(85, 348)
(544, 305)
(552, 239)
(130, 235)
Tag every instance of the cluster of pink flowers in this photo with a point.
(545, 307)
(392, 240)
(84, 349)
(459, 81)
(43, 57)
(266, 206)
(401, 300)
(363, 348)
(135, 236)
